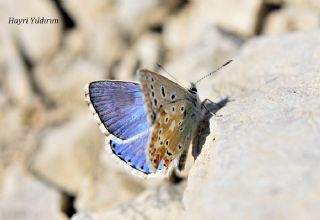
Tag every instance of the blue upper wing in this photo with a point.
(120, 107)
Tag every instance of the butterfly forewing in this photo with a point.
(119, 107)
(172, 133)
(158, 91)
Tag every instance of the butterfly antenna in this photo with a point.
(213, 71)
(163, 69)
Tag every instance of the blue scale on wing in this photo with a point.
(133, 152)
(120, 107)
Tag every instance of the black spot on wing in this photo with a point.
(163, 92)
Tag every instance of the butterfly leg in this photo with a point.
(211, 107)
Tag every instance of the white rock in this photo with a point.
(144, 54)
(105, 188)
(63, 79)
(155, 203)
(202, 49)
(69, 153)
(263, 164)
(95, 21)
(131, 15)
(87, 12)
(291, 19)
(33, 37)
(15, 78)
(236, 16)
(24, 197)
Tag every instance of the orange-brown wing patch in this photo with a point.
(171, 134)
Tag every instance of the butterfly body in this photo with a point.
(151, 124)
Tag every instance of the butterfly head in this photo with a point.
(194, 93)
(193, 89)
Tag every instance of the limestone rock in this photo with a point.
(24, 197)
(33, 37)
(235, 16)
(145, 53)
(162, 202)
(291, 19)
(202, 49)
(69, 153)
(112, 27)
(261, 158)
(63, 79)
(15, 75)
(263, 163)
(106, 188)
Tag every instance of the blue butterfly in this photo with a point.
(149, 127)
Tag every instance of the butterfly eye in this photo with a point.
(155, 102)
(173, 96)
(173, 109)
(167, 142)
(179, 146)
(193, 90)
(182, 109)
(181, 129)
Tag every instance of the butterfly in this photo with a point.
(149, 126)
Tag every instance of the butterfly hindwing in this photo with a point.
(159, 91)
(132, 151)
(172, 133)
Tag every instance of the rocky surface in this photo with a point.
(260, 160)
(262, 163)
(25, 197)
(163, 202)
(33, 39)
(292, 16)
